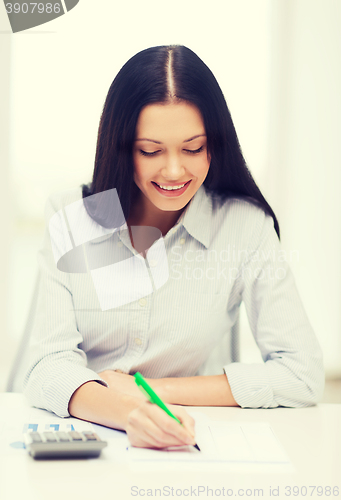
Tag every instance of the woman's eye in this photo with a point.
(191, 151)
(195, 151)
(145, 153)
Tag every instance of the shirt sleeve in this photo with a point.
(292, 374)
(57, 366)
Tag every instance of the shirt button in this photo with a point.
(153, 263)
(138, 341)
(182, 241)
(142, 302)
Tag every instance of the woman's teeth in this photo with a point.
(171, 188)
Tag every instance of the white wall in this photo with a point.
(5, 199)
(305, 157)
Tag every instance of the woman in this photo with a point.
(167, 240)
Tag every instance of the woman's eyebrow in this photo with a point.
(158, 142)
(149, 140)
(195, 137)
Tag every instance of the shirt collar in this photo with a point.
(195, 219)
(197, 216)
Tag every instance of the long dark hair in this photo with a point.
(159, 75)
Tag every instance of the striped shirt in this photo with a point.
(171, 314)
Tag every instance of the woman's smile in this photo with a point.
(170, 189)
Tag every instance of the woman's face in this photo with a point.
(170, 150)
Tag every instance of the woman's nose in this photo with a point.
(173, 168)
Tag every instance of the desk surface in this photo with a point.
(310, 436)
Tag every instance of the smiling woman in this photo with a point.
(160, 76)
(168, 151)
(171, 162)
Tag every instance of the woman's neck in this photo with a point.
(150, 216)
(143, 214)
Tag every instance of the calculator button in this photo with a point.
(90, 436)
(62, 436)
(50, 437)
(35, 437)
(75, 436)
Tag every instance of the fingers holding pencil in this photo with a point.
(150, 427)
(188, 422)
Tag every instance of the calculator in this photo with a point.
(59, 444)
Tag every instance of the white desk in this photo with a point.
(310, 436)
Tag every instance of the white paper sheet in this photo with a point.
(237, 446)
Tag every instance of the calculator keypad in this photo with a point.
(60, 444)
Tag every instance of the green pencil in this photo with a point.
(154, 398)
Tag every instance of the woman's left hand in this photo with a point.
(122, 382)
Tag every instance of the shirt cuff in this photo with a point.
(250, 385)
(58, 388)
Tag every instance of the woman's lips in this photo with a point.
(171, 193)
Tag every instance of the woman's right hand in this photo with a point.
(150, 427)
